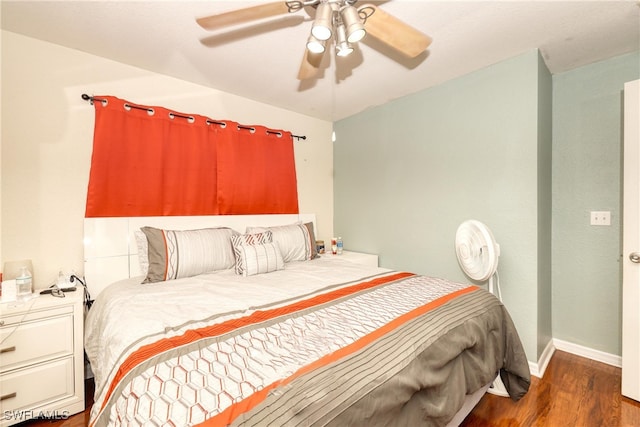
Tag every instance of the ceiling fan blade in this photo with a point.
(310, 64)
(395, 33)
(241, 16)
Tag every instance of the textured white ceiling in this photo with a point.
(260, 61)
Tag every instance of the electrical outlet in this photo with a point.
(600, 218)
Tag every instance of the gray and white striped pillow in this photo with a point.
(259, 259)
(177, 254)
(239, 240)
(297, 241)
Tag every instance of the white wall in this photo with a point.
(47, 132)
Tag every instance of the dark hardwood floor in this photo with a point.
(574, 392)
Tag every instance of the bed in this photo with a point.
(273, 333)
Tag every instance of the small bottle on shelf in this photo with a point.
(24, 283)
(334, 245)
(339, 246)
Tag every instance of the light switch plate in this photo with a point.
(600, 218)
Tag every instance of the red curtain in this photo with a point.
(255, 171)
(150, 161)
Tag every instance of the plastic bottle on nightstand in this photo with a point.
(339, 246)
(24, 283)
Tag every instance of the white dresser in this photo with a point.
(356, 257)
(41, 358)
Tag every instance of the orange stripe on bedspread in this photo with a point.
(153, 349)
(227, 416)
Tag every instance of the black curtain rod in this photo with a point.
(190, 118)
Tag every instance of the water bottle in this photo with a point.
(339, 246)
(24, 283)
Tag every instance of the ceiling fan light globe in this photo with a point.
(321, 32)
(344, 49)
(354, 25)
(355, 35)
(322, 25)
(315, 46)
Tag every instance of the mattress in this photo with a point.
(322, 342)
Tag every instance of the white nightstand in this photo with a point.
(41, 358)
(356, 257)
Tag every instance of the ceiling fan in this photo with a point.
(340, 20)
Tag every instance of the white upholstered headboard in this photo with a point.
(111, 254)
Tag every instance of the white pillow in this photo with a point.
(297, 241)
(143, 247)
(259, 259)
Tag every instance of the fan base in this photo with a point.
(498, 388)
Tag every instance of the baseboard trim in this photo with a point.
(537, 369)
(589, 353)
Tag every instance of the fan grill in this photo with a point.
(477, 250)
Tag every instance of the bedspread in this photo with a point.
(398, 349)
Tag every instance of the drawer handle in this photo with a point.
(8, 396)
(8, 349)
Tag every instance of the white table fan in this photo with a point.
(478, 253)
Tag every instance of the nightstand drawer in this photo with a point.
(37, 385)
(35, 341)
(41, 360)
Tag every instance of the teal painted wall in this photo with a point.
(407, 173)
(587, 176)
(545, 149)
